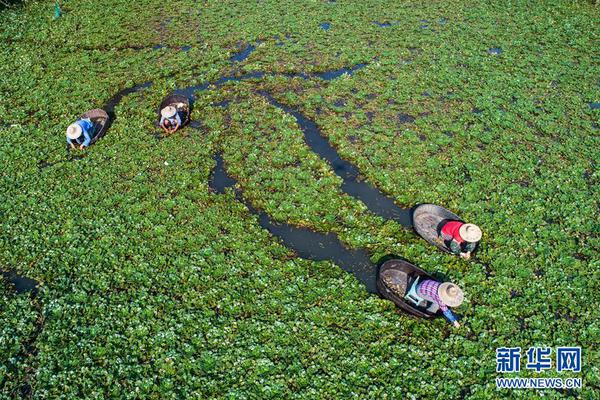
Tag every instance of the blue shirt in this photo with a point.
(173, 120)
(86, 132)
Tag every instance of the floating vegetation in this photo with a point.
(157, 286)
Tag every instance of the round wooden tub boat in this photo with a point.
(394, 280)
(100, 119)
(426, 222)
(181, 103)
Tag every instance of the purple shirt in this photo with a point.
(428, 289)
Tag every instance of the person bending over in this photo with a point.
(444, 294)
(80, 133)
(461, 238)
(170, 120)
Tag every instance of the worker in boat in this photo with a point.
(460, 238)
(80, 133)
(170, 120)
(444, 295)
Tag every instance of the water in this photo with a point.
(223, 103)
(330, 75)
(595, 106)
(243, 54)
(21, 283)
(307, 244)
(325, 26)
(219, 180)
(110, 105)
(406, 118)
(372, 197)
(495, 51)
(384, 24)
(186, 48)
(190, 91)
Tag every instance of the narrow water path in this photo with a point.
(21, 284)
(373, 198)
(190, 91)
(110, 105)
(244, 52)
(29, 345)
(307, 244)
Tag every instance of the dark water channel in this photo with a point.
(243, 54)
(190, 91)
(20, 283)
(110, 105)
(373, 198)
(307, 244)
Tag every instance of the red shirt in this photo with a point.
(451, 228)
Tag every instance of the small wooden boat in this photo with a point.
(100, 119)
(181, 103)
(426, 222)
(394, 280)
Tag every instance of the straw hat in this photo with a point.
(74, 131)
(451, 294)
(470, 232)
(168, 111)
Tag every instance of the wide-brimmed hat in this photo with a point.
(168, 111)
(451, 294)
(74, 131)
(470, 232)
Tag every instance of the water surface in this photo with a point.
(304, 242)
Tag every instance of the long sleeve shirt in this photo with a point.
(428, 290)
(173, 120)
(86, 133)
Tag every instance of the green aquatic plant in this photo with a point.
(157, 287)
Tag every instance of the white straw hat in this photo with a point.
(74, 131)
(168, 111)
(451, 294)
(470, 232)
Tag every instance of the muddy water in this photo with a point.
(307, 244)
